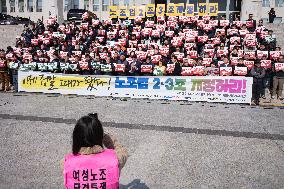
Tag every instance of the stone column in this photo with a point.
(60, 10)
(81, 4)
(8, 6)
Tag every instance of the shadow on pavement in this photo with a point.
(135, 184)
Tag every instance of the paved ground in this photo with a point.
(171, 145)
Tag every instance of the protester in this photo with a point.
(258, 74)
(90, 165)
(271, 15)
(278, 81)
(4, 72)
(147, 46)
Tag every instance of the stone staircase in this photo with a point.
(8, 35)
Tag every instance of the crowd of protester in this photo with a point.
(174, 46)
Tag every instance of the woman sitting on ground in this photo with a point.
(90, 165)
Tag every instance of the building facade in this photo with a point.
(41, 9)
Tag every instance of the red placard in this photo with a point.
(198, 70)
(119, 67)
(146, 31)
(222, 52)
(249, 64)
(155, 33)
(192, 54)
(186, 71)
(241, 71)
(234, 61)
(2, 64)
(275, 54)
(170, 68)
(249, 24)
(171, 24)
(156, 59)
(141, 54)
(224, 23)
(266, 63)
(150, 52)
(34, 41)
(132, 42)
(260, 54)
(164, 51)
(226, 71)
(149, 24)
(279, 67)
(160, 18)
(206, 61)
(251, 54)
(146, 69)
(103, 56)
(129, 50)
(202, 39)
(84, 65)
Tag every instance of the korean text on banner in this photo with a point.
(189, 10)
(210, 88)
(202, 9)
(213, 9)
(160, 10)
(113, 11)
(132, 12)
(150, 10)
(122, 12)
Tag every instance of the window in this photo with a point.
(21, 5)
(12, 5)
(3, 7)
(278, 3)
(67, 5)
(115, 2)
(105, 5)
(76, 4)
(126, 2)
(96, 5)
(39, 6)
(86, 4)
(265, 3)
(30, 6)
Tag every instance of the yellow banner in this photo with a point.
(213, 9)
(171, 9)
(202, 9)
(122, 12)
(140, 11)
(113, 11)
(132, 12)
(150, 10)
(160, 10)
(179, 9)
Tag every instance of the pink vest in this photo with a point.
(95, 171)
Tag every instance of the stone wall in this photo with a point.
(8, 35)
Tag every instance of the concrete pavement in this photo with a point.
(171, 145)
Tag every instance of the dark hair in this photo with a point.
(88, 132)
